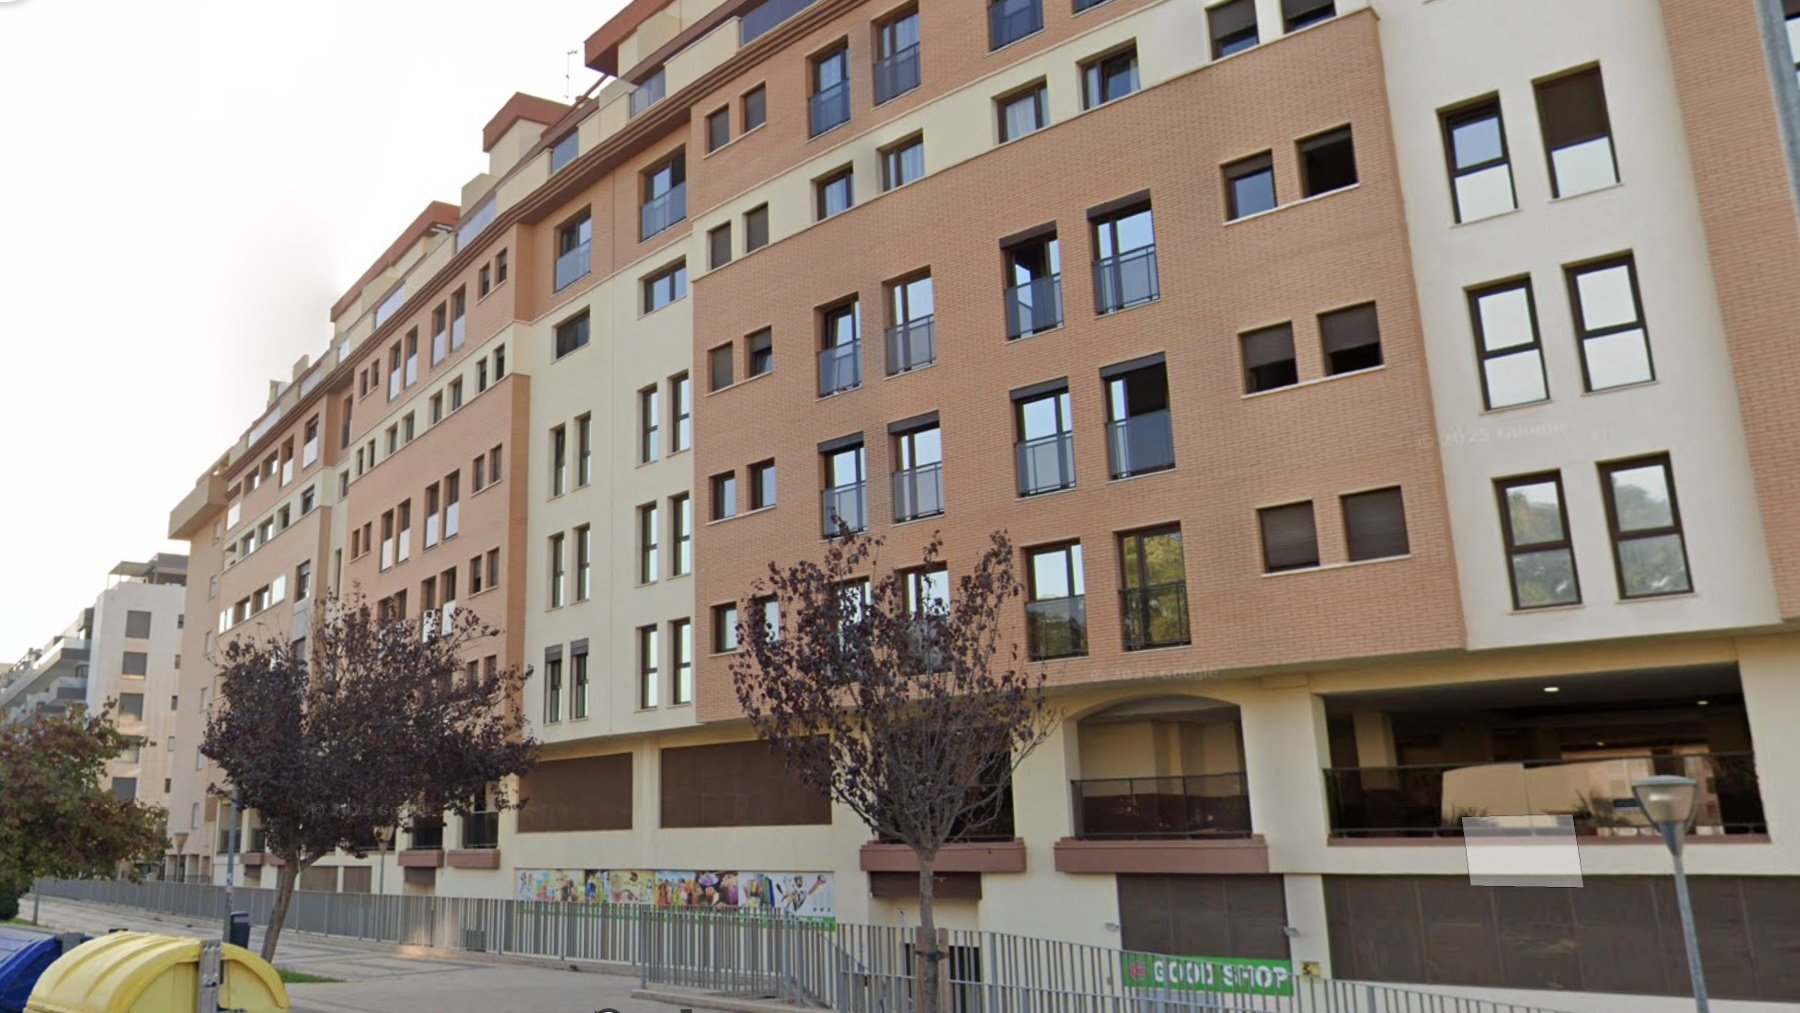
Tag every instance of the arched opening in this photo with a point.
(1168, 767)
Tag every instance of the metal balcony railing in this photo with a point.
(1126, 280)
(840, 368)
(1056, 627)
(664, 211)
(481, 831)
(850, 503)
(425, 836)
(1141, 444)
(758, 20)
(829, 107)
(1152, 808)
(1034, 307)
(573, 266)
(1046, 464)
(919, 492)
(1011, 20)
(897, 73)
(911, 345)
(1155, 616)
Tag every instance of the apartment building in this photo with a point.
(1389, 400)
(123, 652)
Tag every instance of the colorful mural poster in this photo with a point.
(809, 895)
(804, 894)
(631, 886)
(565, 886)
(756, 892)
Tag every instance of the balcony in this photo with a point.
(425, 836)
(829, 108)
(758, 20)
(649, 92)
(849, 503)
(1034, 307)
(919, 492)
(1431, 800)
(1155, 616)
(911, 345)
(481, 831)
(573, 266)
(1046, 464)
(1154, 808)
(897, 74)
(1056, 627)
(1126, 280)
(1011, 20)
(662, 212)
(840, 368)
(1141, 444)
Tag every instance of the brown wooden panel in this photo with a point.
(1211, 916)
(318, 877)
(591, 793)
(944, 885)
(358, 878)
(735, 784)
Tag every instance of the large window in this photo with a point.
(896, 55)
(911, 337)
(1609, 322)
(1056, 602)
(1045, 439)
(1124, 259)
(1033, 286)
(1154, 589)
(1577, 133)
(1649, 548)
(846, 498)
(1507, 344)
(572, 334)
(1011, 20)
(1290, 540)
(573, 249)
(830, 102)
(1140, 434)
(919, 471)
(1534, 524)
(665, 196)
(1480, 175)
(840, 352)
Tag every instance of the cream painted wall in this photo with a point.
(1690, 411)
(164, 602)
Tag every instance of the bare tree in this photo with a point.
(906, 708)
(368, 723)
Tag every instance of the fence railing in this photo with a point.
(820, 964)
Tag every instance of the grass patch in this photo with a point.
(19, 921)
(292, 977)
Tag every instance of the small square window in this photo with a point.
(664, 287)
(903, 163)
(756, 228)
(1327, 162)
(571, 334)
(1249, 186)
(835, 193)
(1351, 339)
(1269, 358)
(1375, 524)
(1298, 14)
(756, 108)
(1290, 539)
(718, 245)
(1232, 26)
(1109, 77)
(718, 129)
(1023, 112)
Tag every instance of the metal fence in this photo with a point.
(840, 966)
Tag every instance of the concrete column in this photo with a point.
(1770, 670)
(1311, 942)
(1374, 739)
(1285, 752)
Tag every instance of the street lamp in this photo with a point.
(1668, 803)
(181, 839)
(382, 836)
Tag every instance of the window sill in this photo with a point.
(731, 386)
(1673, 595)
(1653, 381)
(723, 654)
(484, 298)
(483, 489)
(1121, 311)
(1313, 382)
(1047, 493)
(733, 140)
(1488, 218)
(1022, 338)
(1156, 647)
(1034, 33)
(644, 314)
(476, 594)
(1347, 564)
(909, 372)
(1139, 478)
(837, 393)
(1277, 209)
(919, 520)
(1570, 607)
(1614, 185)
(828, 130)
(1522, 405)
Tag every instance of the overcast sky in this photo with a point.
(188, 185)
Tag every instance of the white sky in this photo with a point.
(187, 186)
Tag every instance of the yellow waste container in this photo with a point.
(143, 972)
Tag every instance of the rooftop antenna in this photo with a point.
(569, 76)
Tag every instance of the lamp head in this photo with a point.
(1667, 800)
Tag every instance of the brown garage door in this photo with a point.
(1204, 916)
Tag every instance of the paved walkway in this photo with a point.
(375, 978)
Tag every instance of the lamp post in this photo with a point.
(235, 815)
(1668, 803)
(181, 839)
(382, 836)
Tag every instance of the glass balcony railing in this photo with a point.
(481, 831)
(664, 211)
(573, 266)
(1056, 627)
(1155, 616)
(897, 73)
(1034, 307)
(1141, 444)
(829, 107)
(1126, 280)
(425, 836)
(919, 492)
(850, 503)
(758, 20)
(911, 345)
(1046, 464)
(1432, 800)
(1011, 20)
(1154, 808)
(840, 368)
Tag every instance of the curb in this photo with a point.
(703, 1000)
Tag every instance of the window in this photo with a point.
(762, 485)
(125, 788)
(718, 247)
(1375, 524)
(1577, 133)
(458, 303)
(137, 624)
(649, 91)
(724, 628)
(649, 416)
(845, 465)
(481, 375)
(1327, 163)
(919, 471)
(1298, 14)
(1791, 8)
(1269, 358)
(1609, 323)
(835, 193)
(1124, 259)
(720, 366)
(1011, 20)
(1056, 602)
(896, 55)
(648, 525)
(903, 163)
(718, 129)
(649, 692)
(1649, 548)
(1507, 344)
(760, 352)
(1249, 187)
(394, 373)
(558, 562)
(584, 562)
(553, 686)
(912, 337)
(572, 334)
(493, 568)
(584, 450)
(681, 510)
(303, 580)
(437, 408)
(681, 392)
(665, 196)
(1534, 523)
(308, 500)
(578, 680)
(559, 460)
(681, 633)
(665, 287)
(475, 575)
(829, 105)
(1155, 589)
(1023, 112)
(1109, 77)
(724, 495)
(1290, 540)
(456, 394)
(840, 355)
(1232, 27)
(756, 108)
(131, 706)
(1140, 437)
(309, 448)
(135, 664)
(756, 228)
(1045, 433)
(572, 251)
(1480, 176)
(493, 465)
(564, 150)
(484, 281)
(1034, 286)
(500, 268)
(1351, 339)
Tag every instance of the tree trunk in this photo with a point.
(925, 952)
(285, 879)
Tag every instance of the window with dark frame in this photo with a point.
(649, 428)
(681, 511)
(896, 55)
(720, 367)
(724, 495)
(1608, 307)
(1534, 526)
(840, 352)
(759, 349)
(1269, 361)
(1125, 272)
(1011, 20)
(1644, 519)
(1045, 439)
(664, 196)
(1481, 182)
(912, 327)
(649, 688)
(718, 129)
(1351, 338)
(665, 286)
(903, 163)
(1327, 162)
(578, 681)
(681, 411)
(834, 193)
(1232, 26)
(762, 485)
(755, 108)
(1250, 186)
(1290, 538)
(1140, 434)
(718, 247)
(1577, 132)
(829, 102)
(1033, 286)
(681, 634)
(573, 249)
(845, 474)
(649, 530)
(724, 628)
(564, 150)
(918, 455)
(584, 562)
(1109, 77)
(572, 334)
(1055, 602)
(1023, 112)
(1153, 589)
(1375, 524)
(1298, 14)
(1508, 347)
(558, 571)
(756, 228)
